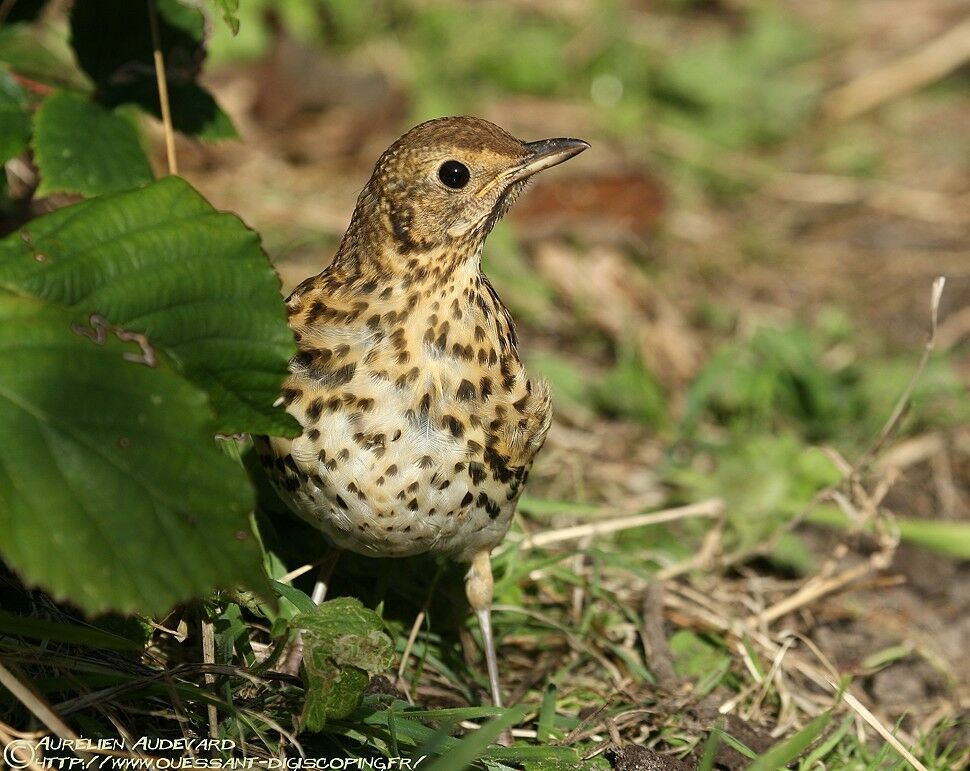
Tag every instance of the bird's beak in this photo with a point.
(545, 153)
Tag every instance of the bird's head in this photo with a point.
(446, 182)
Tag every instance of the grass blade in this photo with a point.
(785, 751)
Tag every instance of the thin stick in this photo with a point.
(938, 58)
(415, 629)
(713, 507)
(173, 167)
(937, 292)
(879, 727)
(38, 707)
(209, 657)
(295, 574)
(810, 592)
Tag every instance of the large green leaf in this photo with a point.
(343, 641)
(125, 70)
(14, 120)
(82, 147)
(163, 262)
(112, 491)
(40, 52)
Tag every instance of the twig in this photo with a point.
(38, 707)
(826, 679)
(415, 629)
(655, 647)
(936, 293)
(209, 657)
(938, 58)
(406, 654)
(6, 739)
(832, 189)
(713, 507)
(702, 558)
(863, 711)
(294, 574)
(809, 593)
(160, 76)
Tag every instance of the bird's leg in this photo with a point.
(478, 587)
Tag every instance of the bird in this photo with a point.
(419, 421)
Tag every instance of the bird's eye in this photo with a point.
(454, 174)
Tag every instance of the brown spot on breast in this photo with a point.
(466, 391)
(344, 375)
(314, 409)
(453, 425)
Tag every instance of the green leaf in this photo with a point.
(785, 751)
(40, 52)
(343, 641)
(112, 492)
(14, 120)
(950, 538)
(303, 603)
(230, 10)
(161, 261)
(124, 71)
(471, 747)
(81, 147)
(74, 634)
(693, 656)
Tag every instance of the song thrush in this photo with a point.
(419, 422)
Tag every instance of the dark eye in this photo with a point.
(454, 174)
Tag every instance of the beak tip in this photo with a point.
(550, 152)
